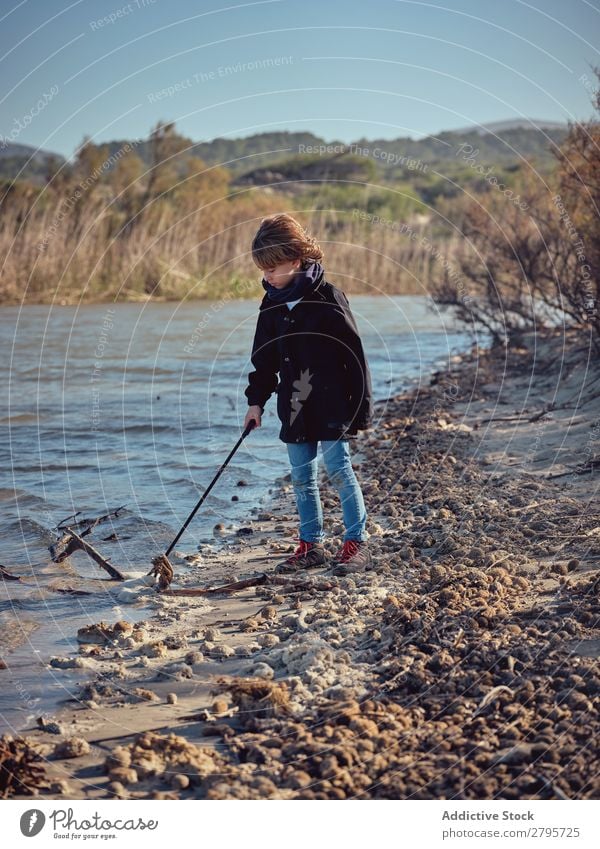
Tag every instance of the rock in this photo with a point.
(61, 787)
(267, 640)
(516, 755)
(98, 634)
(143, 693)
(119, 757)
(175, 672)
(67, 662)
(49, 725)
(102, 633)
(124, 775)
(155, 649)
(263, 670)
(74, 747)
(171, 698)
(175, 641)
(180, 781)
(578, 701)
(222, 652)
(243, 651)
(116, 789)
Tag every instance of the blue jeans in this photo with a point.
(304, 463)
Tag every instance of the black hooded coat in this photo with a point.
(311, 355)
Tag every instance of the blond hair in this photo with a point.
(280, 238)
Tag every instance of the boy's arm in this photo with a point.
(262, 382)
(359, 376)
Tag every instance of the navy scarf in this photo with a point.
(304, 281)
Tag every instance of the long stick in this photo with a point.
(287, 584)
(210, 486)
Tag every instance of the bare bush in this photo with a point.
(536, 265)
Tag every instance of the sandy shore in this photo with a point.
(462, 665)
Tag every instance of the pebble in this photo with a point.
(263, 670)
(124, 775)
(267, 640)
(74, 747)
(116, 789)
(67, 662)
(222, 651)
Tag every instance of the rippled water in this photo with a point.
(138, 405)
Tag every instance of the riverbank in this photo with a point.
(463, 665)
(184, 289)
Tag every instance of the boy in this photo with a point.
(307, 334)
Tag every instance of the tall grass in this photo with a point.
(110, 227)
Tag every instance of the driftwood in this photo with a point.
(91, 522)
(63, 548)
(162, 569)
(286, 585)
(69, 591)
(583, 468)
(77, 542)
(234, 587)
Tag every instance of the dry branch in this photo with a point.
(79, 542)
(286, 585)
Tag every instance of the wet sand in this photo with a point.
(462, 665)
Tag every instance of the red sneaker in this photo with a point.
(306, 556)
(354, 556)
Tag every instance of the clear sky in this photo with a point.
(343, 70)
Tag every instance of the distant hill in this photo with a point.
(25, 160)
(512, 124)
(26, 151)
(274, 157)
(403, 159)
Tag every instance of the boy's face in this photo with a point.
(281, 275)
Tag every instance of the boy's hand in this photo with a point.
(253, 413)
